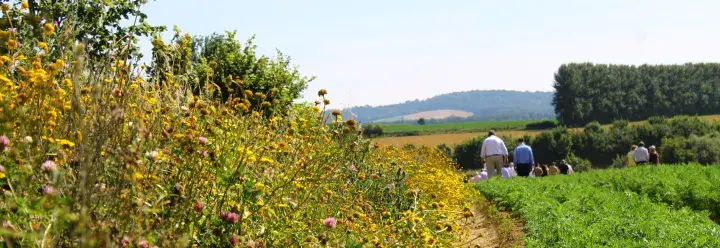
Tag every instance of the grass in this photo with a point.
(575, 211)
(460, 127)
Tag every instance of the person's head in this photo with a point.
(563, 161)
(641, 144)
(652, 148)
(632, 148)
(521, 140)
(491, 132)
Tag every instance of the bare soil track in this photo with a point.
(491, 228)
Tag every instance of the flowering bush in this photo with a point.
(95, 153)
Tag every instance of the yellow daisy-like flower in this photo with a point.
(59, 64)
(44, 46)
(12, 44)
(48, 29)
(24, 5)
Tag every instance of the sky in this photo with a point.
(374, 52)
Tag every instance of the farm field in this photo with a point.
(666, 206)
(445, 138)
(460, 127)
(456, 138)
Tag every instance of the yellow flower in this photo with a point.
(48, 29)
(137, 176)
(44, 46)
(5, 7)
(134, 86)
(316, 109)
(12, 44)
(260, 185)
(68, 82)
(24, 5)
(59, 64)
(2, 175)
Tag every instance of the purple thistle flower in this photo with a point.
(2, 169)
(48, 190)
(203, 140)
(330, 222)
(199, 206)
(229, 217)
(4, 142)
(143, 244)
(48, 166)
(234, 240)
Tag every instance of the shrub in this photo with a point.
(579, 164)
(467, 154)
(541, 125)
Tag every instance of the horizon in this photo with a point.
(381, 53)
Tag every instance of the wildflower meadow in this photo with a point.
(101, 150)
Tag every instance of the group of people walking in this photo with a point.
(494, 155)
(639, 155)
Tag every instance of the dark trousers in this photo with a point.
(523, 170)
(641, 162)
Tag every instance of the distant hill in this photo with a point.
(485, 105)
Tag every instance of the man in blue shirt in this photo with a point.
(523, 158)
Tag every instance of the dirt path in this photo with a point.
(492, 228)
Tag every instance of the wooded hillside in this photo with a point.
(486, 105)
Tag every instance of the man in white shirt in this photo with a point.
(494, 154)
(641, 154)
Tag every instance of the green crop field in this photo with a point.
(666, 206)
(460, 127)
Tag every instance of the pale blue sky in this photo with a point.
(383, 52)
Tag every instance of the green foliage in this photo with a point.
(637, 207)
(541, 125)
(586, 92)
(490, 105)
(421, 121)
(620, 161)
(371, 131)
(467, 153)
(445, 149)
(100, 25)
(579, 164)
(680, 139)
(552, 146)
(234, 67)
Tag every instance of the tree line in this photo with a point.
(586, 92)
(680, 139)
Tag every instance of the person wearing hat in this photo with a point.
(641, 154)
(654, 156)
(494, 154)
